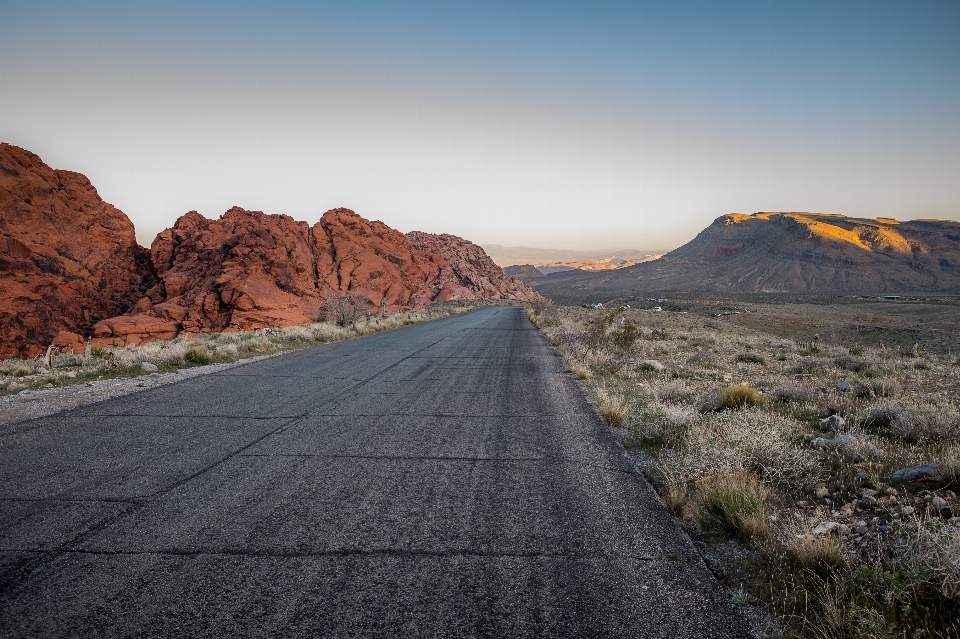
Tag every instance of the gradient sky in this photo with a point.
(575, 125)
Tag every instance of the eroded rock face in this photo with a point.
(71, 269)
(470, 273)
(241, 271)
(67, 258)
(251, 270)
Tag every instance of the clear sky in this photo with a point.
(555, 124)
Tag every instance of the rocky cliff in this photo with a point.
(70, 267)
(797, 253)
(470, 273)
(67, 258)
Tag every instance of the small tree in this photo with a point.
(343, 309)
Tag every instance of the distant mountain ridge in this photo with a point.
(506, 256)
(794, 253)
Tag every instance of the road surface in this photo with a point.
(445, 479)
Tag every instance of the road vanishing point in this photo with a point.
(447, 479)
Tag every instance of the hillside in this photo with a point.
(793, 253)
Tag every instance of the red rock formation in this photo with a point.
(70, 267)
(471, 274)
(371, 259)
(67, 258)
(249, 270)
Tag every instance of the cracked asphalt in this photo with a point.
(447, 479)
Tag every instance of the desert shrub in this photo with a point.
(751, 358)
(20, 370)
(737, 442)
(675, 499)
(733, 504)
(296, 334)
(624, 337)
(580, 371)
(740, 396)
(809, 365)
(659, 424)
(850, 364)
(914, 422)
(672, 392)
(794, 394)
(873, 388)
(819, 553)
(702, 358)
(198, 354)
(856, 349)
(612, 407)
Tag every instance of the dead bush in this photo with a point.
(345, 310)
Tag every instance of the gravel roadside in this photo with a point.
(31, 404)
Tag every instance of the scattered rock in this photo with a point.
(42, 370)
(868, 492)
(883, 529)
(859, 528)
(651, 364)
(868, 502)
(907, 510)
(148, 367)
(844, 387)
(938, 501)
(834, 422)
(915, 473)
(822, 492)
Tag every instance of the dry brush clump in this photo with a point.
(790, 448)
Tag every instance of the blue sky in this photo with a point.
(574, 125)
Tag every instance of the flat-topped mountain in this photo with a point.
(795, 252)
(71, 269)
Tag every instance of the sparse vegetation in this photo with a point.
(733, 424)
(733, 504)
(196, 350)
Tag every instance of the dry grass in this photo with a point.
(707, 432)
(740, 397)
(612, 407)
(733, 504)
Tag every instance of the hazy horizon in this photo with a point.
(541, 124)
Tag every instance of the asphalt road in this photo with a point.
(443, 479)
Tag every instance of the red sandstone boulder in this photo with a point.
(67, 258)
(133, 329)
